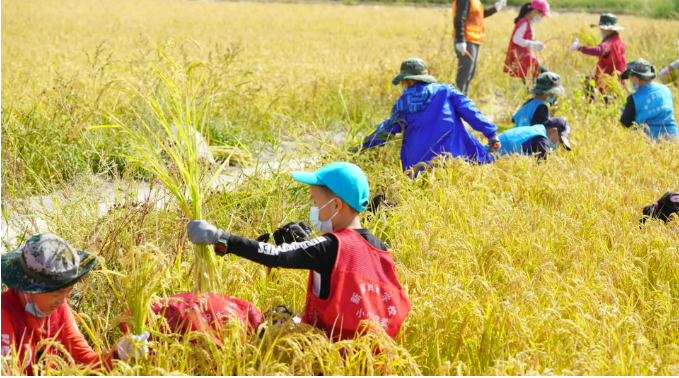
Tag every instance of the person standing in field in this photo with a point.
(536, 140)
(352, 276)
(469, 32)
(40, 276)
(522, 60)
(651, 104)
(430, 117)
(611, 51)
(536, 111)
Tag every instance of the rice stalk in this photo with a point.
(146, 266)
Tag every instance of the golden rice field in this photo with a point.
(513, 268)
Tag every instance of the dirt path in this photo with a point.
(28, 216)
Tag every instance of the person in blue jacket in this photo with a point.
(536, 111)
(430, 117)
(536, 140)
(651, 104)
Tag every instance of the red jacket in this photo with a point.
(364, 286)
(21, 332)
(522, 62)
(205, 312)
(611, 53)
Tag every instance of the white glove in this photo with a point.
(133, 346)
(536, 45)
(500, 5)
(664, 72)
(202, 232)
(461, 47)
(575, 44)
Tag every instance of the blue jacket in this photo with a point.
(512, 139)
(654, 105)
(524, 115)
(430, 118)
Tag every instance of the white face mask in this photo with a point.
(32, 309)
(319, 225)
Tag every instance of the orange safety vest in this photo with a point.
(363, 287)
(474, 29)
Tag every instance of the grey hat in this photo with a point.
(46, 263)
(548, 83)
(608, 21)
(416, 69)
(640, 68)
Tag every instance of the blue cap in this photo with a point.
(346, 180)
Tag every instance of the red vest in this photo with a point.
(522, 62)
(27, 336)
(614, 61)
(363, 287)
(186, 312)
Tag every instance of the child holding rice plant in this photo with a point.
(535, 111)
(352, 276)
(522, 60)
(651, 104)
(611, 50)
(430, 117)
(40, 277)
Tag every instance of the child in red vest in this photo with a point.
(522, 60)
(352, 276)
(40, 277)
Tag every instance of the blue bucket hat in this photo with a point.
(346, 180)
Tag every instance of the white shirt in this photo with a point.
(518, 39)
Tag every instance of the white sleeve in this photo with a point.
(517, 38)
(675, 65)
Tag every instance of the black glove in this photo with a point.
(292, 232)
(289, 233)
(494, 143)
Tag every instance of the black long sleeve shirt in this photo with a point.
(461, 14)
(537, 146)
(317, 254)
(629, 113)
(540, 116)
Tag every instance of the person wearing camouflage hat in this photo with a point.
(40, 276)
(651, 104)
(611, 51)
(536, 111)
(430, 117)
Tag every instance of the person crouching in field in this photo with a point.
(430, 117)
(611, 52)
(352, 276)
(40, 276)
(651, 104)
(536, 111)
(663, 209)
(536, 140)
(522, 61)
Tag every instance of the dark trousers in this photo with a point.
(466, 67)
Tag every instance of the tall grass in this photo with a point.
(511, 268)
(168, 146)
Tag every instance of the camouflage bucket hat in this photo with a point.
(416, 69)
(548, 83)
(640, 68)
(46, 263)
(608, 21)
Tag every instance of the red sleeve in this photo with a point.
(8, 337)
(78, 347)
(593, 51)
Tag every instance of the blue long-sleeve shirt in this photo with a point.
(430, 118)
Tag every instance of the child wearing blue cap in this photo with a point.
(352, 276)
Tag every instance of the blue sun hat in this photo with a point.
(346, 180)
